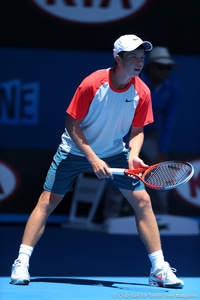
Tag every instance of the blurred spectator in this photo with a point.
(158, 135)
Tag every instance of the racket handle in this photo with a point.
(117, 171)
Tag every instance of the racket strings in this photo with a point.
(167, 174)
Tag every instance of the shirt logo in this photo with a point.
(128, 100)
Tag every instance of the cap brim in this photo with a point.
(165, 61)
(147, 46)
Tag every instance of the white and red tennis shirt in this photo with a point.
(106, 114)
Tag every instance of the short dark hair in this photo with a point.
(121, 53)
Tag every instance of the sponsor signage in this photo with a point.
(190, 192)
(8, 181)
(19, 102)
(91, 11)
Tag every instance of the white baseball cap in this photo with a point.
(130, 42)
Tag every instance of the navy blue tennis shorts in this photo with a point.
(66, 167)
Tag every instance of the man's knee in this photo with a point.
(48, 201)
(143, 200)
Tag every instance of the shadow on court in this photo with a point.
(78, 281)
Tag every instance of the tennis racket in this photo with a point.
(162, 176)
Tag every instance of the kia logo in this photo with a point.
(91, 11)
(8, 181)
(190, 192)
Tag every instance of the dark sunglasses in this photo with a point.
(163, 67)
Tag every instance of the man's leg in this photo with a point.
(150, 154)
(33, 232)
(145, 219)
(161, 273)
(36, 224)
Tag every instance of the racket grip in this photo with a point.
(117, 171)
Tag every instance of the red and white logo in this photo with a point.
(91, 11)
(190, 191)
(8, 181)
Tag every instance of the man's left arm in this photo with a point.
(135, 145)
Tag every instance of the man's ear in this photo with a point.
(118, 59)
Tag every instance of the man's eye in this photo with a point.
(137, 57)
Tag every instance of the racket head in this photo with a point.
(168, 175)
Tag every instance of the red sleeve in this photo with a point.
(80, 103)
(85, 93)
(144, 113)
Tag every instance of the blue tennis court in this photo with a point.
(73, 264)
(107, 288)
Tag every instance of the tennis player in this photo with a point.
(104, 107)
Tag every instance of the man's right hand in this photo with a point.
(101, 169)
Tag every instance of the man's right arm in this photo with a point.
(100, 168)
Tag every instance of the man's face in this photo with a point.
(133, 62)
(159, 71)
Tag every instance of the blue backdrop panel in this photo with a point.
(36, 87)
